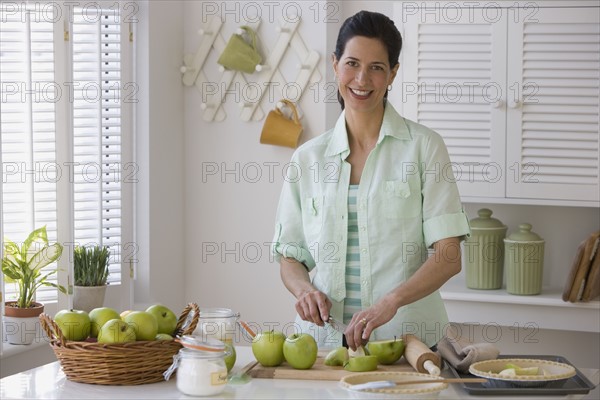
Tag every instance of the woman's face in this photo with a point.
(363, 73)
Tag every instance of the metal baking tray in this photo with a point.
(577, 384)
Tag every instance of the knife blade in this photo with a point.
(337, 325)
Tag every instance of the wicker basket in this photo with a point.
(133, 363)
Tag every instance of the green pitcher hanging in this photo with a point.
(239, 55)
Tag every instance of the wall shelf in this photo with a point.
(544, 311)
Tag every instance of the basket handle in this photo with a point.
(52, 330)
(186, 326)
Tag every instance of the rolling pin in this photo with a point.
(420, 356)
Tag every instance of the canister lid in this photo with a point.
(485, 220)
(196, 343)
(524, 234)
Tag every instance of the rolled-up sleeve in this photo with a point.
(443, 214)
(289, 240)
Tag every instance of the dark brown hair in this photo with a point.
(372, 25)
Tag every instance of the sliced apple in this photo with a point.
(361, 364)
(337, 357)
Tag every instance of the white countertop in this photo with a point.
(49, 382)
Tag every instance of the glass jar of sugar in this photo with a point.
(201, 369)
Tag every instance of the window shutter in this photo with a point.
(97, 132)
(28, 128)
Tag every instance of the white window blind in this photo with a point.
(33, 104)
(97, 132)
(28, 118)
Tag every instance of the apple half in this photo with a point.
(387, 351)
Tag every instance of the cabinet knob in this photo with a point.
(498, 104)
(514, 103)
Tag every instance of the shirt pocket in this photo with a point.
(401, 200)
(313, 210)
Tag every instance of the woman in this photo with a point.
(366, 201)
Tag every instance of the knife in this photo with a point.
(337, 325)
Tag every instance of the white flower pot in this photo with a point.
(22, 329)
(87, 298)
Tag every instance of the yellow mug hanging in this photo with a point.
(239, 55)
(280, 130)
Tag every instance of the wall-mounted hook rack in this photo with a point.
(265, 74)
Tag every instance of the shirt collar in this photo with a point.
(393, 125)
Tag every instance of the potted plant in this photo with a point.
(22, 265)
(91, 273)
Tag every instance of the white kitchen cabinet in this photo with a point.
(513, 87)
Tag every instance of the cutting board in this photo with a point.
(319, 371)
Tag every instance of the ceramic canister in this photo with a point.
(524, 261)
(483, 252)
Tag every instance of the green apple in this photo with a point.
(300, 350)
(230, 357)
(361, 364)
(337, 357)
(387, 351)
(144, 324)
(124, 313)
(163, 336)
(116, 331)
(167, 320)
(267, 348)
(74, 324)
(99, 316)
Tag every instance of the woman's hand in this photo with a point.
(313, 306)
(364, 322)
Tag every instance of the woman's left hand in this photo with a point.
(364, 322)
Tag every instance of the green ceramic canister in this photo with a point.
(524, 261)
(483, 252)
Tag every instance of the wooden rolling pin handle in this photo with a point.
(431, 368)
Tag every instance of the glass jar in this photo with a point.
(201, 369)
(524, 261)
(483, 252)
(218, 323)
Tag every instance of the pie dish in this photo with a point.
(549, 371)
(411, 389)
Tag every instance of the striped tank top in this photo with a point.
(352, 302)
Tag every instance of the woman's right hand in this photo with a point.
(313, 306)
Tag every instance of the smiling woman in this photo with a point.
(382, 211)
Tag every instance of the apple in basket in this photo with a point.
(74, 324)
(144, 324)
(99, 316)
(167, 320)
(116, 331)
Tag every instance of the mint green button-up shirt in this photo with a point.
(407, 200)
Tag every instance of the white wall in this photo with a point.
(159, 154)
(230, 214)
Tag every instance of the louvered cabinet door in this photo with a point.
(453, 76)
(553, 108)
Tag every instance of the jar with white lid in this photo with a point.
(201, 369)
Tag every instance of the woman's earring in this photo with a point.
(389, 88)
